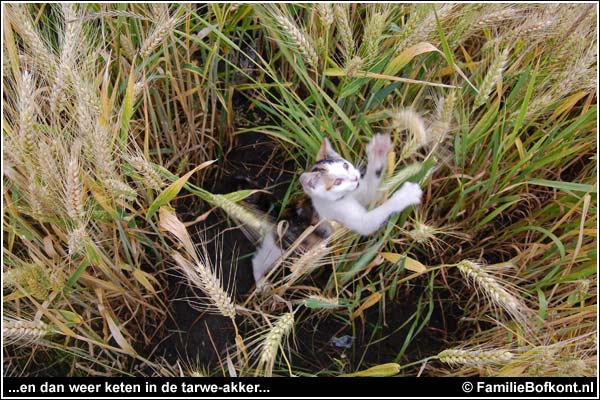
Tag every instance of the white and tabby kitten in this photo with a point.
(339, 193)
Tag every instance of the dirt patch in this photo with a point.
(201, 338)
(379, 337)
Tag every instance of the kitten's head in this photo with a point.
(331, 177)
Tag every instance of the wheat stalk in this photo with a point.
(536, 24)
(496, 17)
(73, 191)
(300, 39)
(422, 24)
(10, 155)
(579, 74)
(37, 277)
(114, 13)
(27, 332)
(147, 173)
(200, 273)
(272, 343)
(576, 368)
(443, 121)
(576, 36)
(77, 240)
(71, 37)
(119, 188)
(474, 358)
(582, 289)
(414, 19)
(343, 23)
(103, 156)
(308, 261)
(202, 276)
(72, 34)
(259, 226)
(88, 105)
(426, 233)
(34, 278)
(49, 157)
(393, 182)
(97, 140)
(159, 11)
(159, 33)
(36, 194)
(410, 120)
(27, 116)
(493, 75)
(495, 290)
(422, 233)
(325, 12)
(41, 53)
(353, 66)
(574, 356)
(373, 31)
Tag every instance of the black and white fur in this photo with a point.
(339, 193)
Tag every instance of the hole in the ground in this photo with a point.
(201, 338)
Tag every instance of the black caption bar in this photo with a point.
(298, 387)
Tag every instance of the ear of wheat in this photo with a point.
(409, 120)
(342, 21)
(73, 191)
(199, 273)
(493, 75)
(300, 39)
(443, 117)
(474, 358)
(23, 331)
(272, 342)
(203, 276)
(165, 25)
(497, 291)
(41, 54)
(258, 225)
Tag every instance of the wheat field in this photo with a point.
(148, 147)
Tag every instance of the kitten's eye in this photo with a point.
(337, 182)
(346, 166)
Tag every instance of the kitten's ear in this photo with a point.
(309, 180)
(326, 152)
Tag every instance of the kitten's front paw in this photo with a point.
(412, 192)
(409, 194)
(379, 146)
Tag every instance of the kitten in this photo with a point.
(339, 193)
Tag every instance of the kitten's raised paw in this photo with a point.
(379, 146)
(412, 192)
(409, 194)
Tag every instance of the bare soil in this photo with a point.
(201, 338)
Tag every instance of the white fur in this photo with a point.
(350, 181)
(267, 253)
(353, 215)
(347, 200)
(347, 204)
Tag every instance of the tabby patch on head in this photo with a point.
(331, 177)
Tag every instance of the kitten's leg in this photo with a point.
(265, 257)
(377, 151)
(356, 217)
